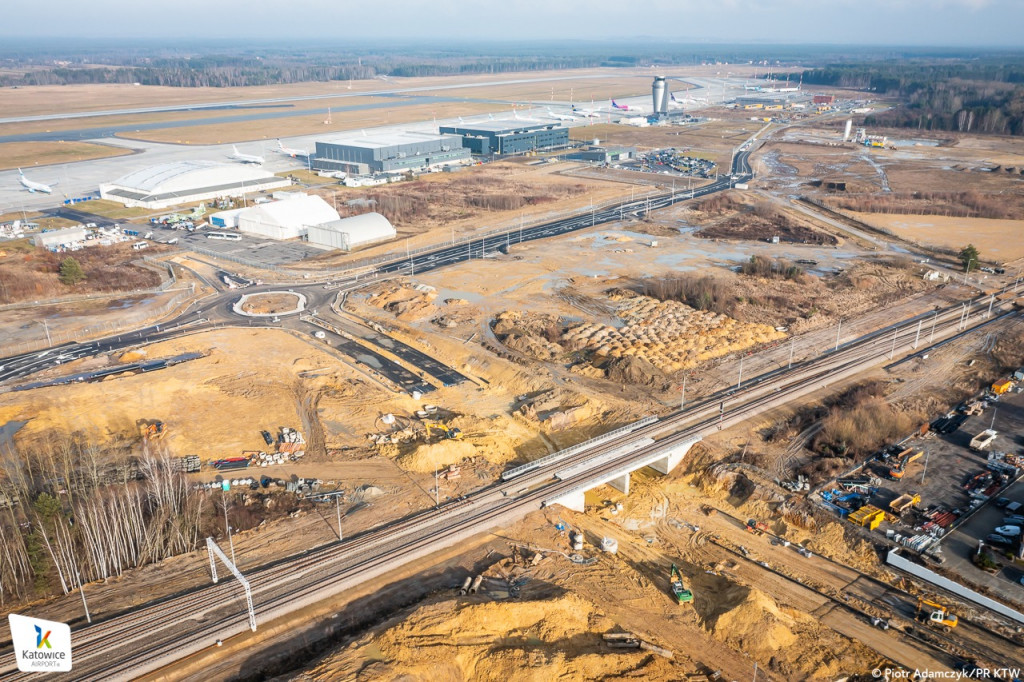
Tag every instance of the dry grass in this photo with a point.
(26, 154)
(114, 210)
(268, 129)
(33, 275)
(997, 240)
(172, 116)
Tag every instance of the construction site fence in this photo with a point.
(96, 330)
(895, 559)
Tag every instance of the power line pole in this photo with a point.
(792, 343)
(935, 319)
(893, 351)
(838, 332)
(739, 382)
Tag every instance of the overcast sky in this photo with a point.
(988, 23)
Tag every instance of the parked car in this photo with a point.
(994, 539)
(267, 437)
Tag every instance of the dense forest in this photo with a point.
(197, 63)
(984, 96)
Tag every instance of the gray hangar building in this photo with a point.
(509, 137)
(388, 152)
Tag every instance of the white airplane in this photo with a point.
(626, 107)
(588, 113)
(562, 117)
(673, 103)
(34, 186)
(288, 150)
(246, 158)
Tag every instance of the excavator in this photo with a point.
(935, 614)
(154, 430)
(683, 595)
(897, 470)
(450, 434)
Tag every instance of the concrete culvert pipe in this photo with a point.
(466, 584)
(475, 587)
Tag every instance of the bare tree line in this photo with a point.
(968, 204)
(63, 523)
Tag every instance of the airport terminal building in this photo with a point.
(388, 152)
(510, 137)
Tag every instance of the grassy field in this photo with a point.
(27, 154)
(997, 240)
(114, 210)
(268, 129)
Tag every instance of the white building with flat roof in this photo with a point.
(186, 182)
(60, 238)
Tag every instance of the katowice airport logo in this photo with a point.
(40, 645)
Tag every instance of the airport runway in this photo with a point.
(84, 177)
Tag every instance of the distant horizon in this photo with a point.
(972, 24)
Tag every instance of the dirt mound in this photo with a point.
(405, 301)
(430, 456)
(750, 620)
(637, 371)
(531, 640)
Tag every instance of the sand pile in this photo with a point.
(407, 303)
(670, 335)
(494, 440)
(533, 641)
(430, 456)
(750, 620)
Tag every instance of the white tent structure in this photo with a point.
(352, 233)
(288, 218)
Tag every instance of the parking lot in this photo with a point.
(265, 252)
(944, 476)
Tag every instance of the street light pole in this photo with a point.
(337, 503)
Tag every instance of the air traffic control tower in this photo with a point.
(659, 93)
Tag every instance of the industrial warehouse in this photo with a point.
(384, 152)
(509, 137)
(184, 182)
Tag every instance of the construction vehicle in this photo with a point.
(904, 502)
(756, 527)
(897, 470)
(683, 595)
(1001, 387)
(983, 439)
(450, 434)
(935, 614)
(153, 431)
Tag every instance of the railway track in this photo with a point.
(159, 635)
